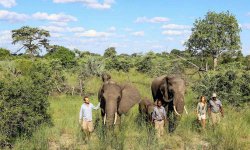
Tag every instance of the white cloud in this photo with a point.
(138, 33)
(175, 32)
(12, 17)
(75, 29)
(56, 23)
(245, 26)
(175, 27)
(151, 20)
(56, 35)
(5, 36)
(57, 29)
(53, 28)
(169, 39)
(112, 29)
(92, 33)
(127, 29)
(54, 17)
(8, 3)
(90, 3)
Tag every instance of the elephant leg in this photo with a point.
(171, 117)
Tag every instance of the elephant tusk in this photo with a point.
(115, 117)
(104, 119)
(176, 111)
(185, 110)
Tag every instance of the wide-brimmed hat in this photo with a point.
(214, 95)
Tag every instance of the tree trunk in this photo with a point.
(81, 87)
(73, 91)
(215, 60)
(206, 67)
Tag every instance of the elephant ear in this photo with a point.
(130, 97)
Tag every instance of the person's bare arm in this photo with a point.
(209, 111)
(96, 107)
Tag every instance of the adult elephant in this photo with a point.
(116, 100)
(170, 90)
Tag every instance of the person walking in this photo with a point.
(202, 111)
(85, 116)
(159, 118)
(215, 109)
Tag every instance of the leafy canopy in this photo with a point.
(216, 33)
(32, 39)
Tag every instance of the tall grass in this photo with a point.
(232, 133)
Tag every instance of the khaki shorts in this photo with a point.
(215, 117)
(87, 125)
(200, 116)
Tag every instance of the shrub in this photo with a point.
(4, 53)
(231, 86)
(145, 65)
(119, 64)
(23, 102)
(65, 55)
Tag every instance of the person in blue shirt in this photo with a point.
(85, 117)
(159, 117)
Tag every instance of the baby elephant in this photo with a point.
(146, 108)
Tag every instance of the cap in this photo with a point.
(214, 95)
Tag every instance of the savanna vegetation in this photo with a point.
(40, 96)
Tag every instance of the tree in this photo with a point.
(110, 52)
(32, 39)
(65, 55)
(145, 65)
(175, 51)
(216, 33)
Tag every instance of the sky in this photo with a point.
(132, 26)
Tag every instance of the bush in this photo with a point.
(145, 65)
(23, 102)
(65, 55)
(231, 86)
(4, 53)
(118, 64)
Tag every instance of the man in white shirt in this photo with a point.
(85, 118)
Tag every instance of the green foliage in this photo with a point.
(23, 100)
(4, 53)
(65, 55)
(145, 65)
(32, 39)
(232, 87)
(175, 51)
(110, 52)
(93, 67)
(229, 57)
(119, 64)
(216, 33)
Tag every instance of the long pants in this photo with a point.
(215, 117)
(159, 127)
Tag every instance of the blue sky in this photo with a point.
(129, 25)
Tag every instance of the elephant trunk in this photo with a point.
(178, 105)
(105, 118)
(111, 114)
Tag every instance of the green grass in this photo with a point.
(232, 133)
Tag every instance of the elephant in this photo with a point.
(116, 100)
(170, 90)
(146, 108)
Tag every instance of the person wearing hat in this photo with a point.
(215, 109)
